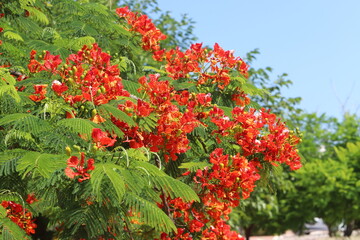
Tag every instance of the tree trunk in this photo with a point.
(248, 231)
(349, 228)
(330, 230)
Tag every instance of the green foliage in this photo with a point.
(331, 171)
(113, 111)
(41, 164)
(193, 166)
(7, 86)
(77, 125)
(111, 171)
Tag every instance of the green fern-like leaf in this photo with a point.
(21, 137)
(26, 122)
(78, 43)
(7, 85)
(108, 110)
(155, 70)
(98, 9)
(9, 155)
(9, 90)
(173, 187)
(131, 87)
(37, 15)
(193, 166)
(251, 89)
(92, 218)
(24, 3)
(150, 214)
(111, 171)
(13, 36)
(42, 164)
(148, 123)
(78, 125)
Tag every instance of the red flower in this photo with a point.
(151, 36)
(101, 138)
(41, 91)
(143, 108)
(75, 167)
(19, 215)
(31, 198)
(59, 87)
(34, 66)
(51, 62)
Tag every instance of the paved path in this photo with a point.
(315, 235)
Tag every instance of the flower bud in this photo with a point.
(68, 150)
(77, 147)
(93, 112)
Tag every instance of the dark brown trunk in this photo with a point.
(349, 228)
(248, 231)
(331, 231)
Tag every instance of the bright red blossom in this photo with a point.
(59, 87)
(151, 35)
(75, 167)
(101, 138)
(31, 198)
(20, 215)
(40, 91)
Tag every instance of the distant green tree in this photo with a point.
(331, 187)
(326, 187)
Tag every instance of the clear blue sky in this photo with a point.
(317, 42)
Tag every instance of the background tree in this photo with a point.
(324, 174)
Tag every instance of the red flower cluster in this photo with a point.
(20, 215)
(91, 72)
(221, 188)
(262, 137)
(86, 76)
(75, 167)
(142, 24)
(179, 64)
(173, 125)
(258, 132)
(50, 62)
(101, 138)
(40, 91)
(219, 64)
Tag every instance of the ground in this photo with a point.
(315, 235)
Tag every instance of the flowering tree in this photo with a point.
(102, 155)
